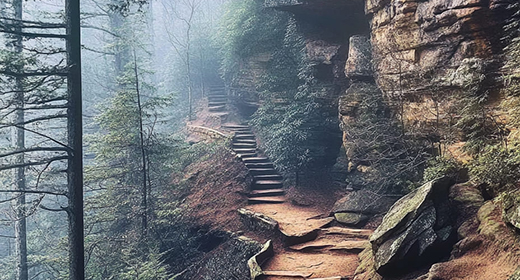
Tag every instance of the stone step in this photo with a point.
(267, 184)
(260, 165)
(216, 104)
(245, 136)
(348, 232)
(248, 155)
(242, 131)
(244, 145)
(287, 274)
(272, 177)
(262, 171)
(244, 150)
(266, 200)
(268, 192)
(217, 108)
(351, 246)
(240, 140)
(217, 93)
(217, 99)
(255, 160)
(231, 126)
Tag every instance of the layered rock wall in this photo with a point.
(422, 48)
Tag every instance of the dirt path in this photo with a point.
(327, 252)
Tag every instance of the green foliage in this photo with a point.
(115, 181)
(382, 158)
(511, 68)
(475, 120)
(497, 166)
(293, 120)
(248, 28)
(143, 265)
(440, 166)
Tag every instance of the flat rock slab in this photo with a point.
(348, 232)
(321, 265)
(332, 244)
(288, 274)
(351, 219)
(301, 228)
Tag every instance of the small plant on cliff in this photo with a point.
(440, 166)
(498, 167)
(386, 161)
(476, 122)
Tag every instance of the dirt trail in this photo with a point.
(318, 257)
(310, 249)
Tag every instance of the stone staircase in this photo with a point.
(218, 101)
(267, 186)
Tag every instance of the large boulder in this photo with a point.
(511, 211)
(417, 229)
(466, 199)
(357, 207)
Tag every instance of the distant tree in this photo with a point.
(18, 143)
(183, 13)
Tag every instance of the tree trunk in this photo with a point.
(75, 133)
(188, 67)
(144, 190)
(18, 143)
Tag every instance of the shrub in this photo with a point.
(498, 167)
(440, 166)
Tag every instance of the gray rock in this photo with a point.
(365, 202)
(516, 275)
(350, 218)
(357, 207)
(419, 233)
(416, 223)
(359, 62)
(511, 212)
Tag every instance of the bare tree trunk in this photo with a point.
(188, 65)
(188, 68)
(120, 51)
(75, 133)
(144, 190)
(18, 142)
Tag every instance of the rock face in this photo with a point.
(417, 229)
(420, 46)
(511, 211)
(357, 207)
(414, 38)
(359, 61)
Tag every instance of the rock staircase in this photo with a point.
(267, 186)
(218, 101)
